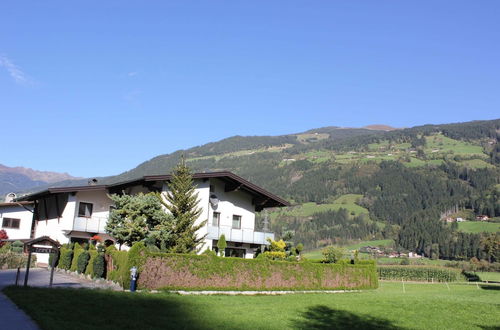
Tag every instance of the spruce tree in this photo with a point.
(182, 202)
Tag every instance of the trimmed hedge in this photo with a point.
(77, 250)
(201, 272)
(98, 266)
(419, 273)
(65, 258)
(119, 272)
(82, 262)
(90, 266)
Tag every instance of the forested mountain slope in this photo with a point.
(350, 184)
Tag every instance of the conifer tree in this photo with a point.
(182, 202)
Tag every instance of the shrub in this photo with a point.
(17, 247)
(90, 265)
(119, 273)
(419, 273)
(209, 253)
(405, 261)
(11, 260)
(51, 259)
(333, 254)
(82, 262)
(221, 245)
(98, 266)
(3, 235)
(194, 272)
(65, 258)
(77, 250)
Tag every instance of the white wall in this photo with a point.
(17, 212)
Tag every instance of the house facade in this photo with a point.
(228, 203)
(16, 219)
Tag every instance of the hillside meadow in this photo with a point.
(392, 306)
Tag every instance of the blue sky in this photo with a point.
(94, 88)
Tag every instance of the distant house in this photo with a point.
(482, 218)
(414, 255)
(228, 203)
(449, 219)
(460, 220)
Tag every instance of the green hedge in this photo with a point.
(120, 272)
(77, 250)
(201, 272)
(419, 273)
(90, 266)
(65, 258)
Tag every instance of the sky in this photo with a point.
(94, 88)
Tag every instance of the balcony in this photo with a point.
(239, 235)
(90, 225)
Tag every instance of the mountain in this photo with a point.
(364, 183)
(15, 179)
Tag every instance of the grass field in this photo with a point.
(416, 306)
(478, 227)
(489, 276)
(347, 202)
(316, 254)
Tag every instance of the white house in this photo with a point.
(228, 203)
(16, 219)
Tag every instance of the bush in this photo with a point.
(77, 250)
(419, 273)
(207, 252)
(119, 273)
(194, 272)
(12, 260)
(98, 266)
(90, 265)
(221, 245)
(333, 254)
(82, 262)
(3, 235)
(65, 258)
(51, 259)
(17, 247)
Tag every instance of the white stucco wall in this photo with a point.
(17, 212)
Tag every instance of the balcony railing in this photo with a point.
(239, 235)
(91, 225)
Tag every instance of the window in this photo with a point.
(237, 221)
(216, 219)
(11, 223)
(85, 210)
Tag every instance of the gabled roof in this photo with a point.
(262, 197)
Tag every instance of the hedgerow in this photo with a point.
(201, 272)
(419, 273)
(82, 262)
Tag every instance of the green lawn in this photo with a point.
(478, 227)
(316, 254)
(489, 276)
(347, 202)
(419, 306)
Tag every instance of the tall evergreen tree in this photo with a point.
(182, 202)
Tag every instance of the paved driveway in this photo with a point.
(14, 318)
(40, 277)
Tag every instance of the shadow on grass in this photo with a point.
(323, 317)
(60, 308)
(490, 287)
